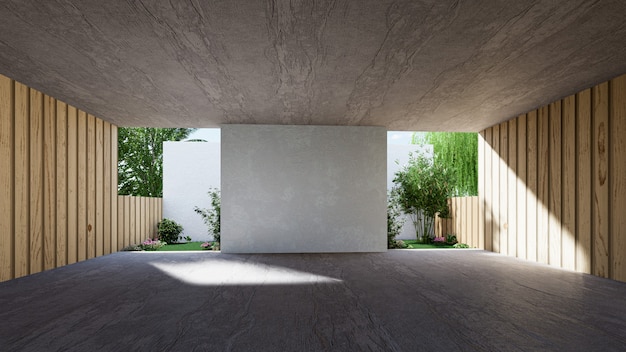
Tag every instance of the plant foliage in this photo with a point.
(169, 231)
(395, 220)
(458, 152)
(211, 216)
(140, 159)
(423, 188)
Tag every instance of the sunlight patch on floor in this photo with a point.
(218, 272)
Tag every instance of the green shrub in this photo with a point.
(395, 221)
(423, 189)
(211, 216)
(169, 231)
(461, 245)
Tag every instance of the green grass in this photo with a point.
(189, 246)
(414, 244)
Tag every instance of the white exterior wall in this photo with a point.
(190, 169)
(289, 189)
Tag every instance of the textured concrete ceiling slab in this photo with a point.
(405, 65)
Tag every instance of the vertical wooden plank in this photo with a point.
(50, 183)
(82, 192)
(20, 182)
(72, 185)
(555, 188)
(583, 181)
(617, 175)
(495, 193)
(120, 223)
(142, 219)
(138, 234)
(600, 210)
(36, 181)
(107, 187)
(488, 173)
(480, 243)
(532, 193)
(61, 185)
(476, 217)
(127, 222)
(115, 244)
(91, 186)
(503, 189)
(568, 222)
(543, 163)
(512, 189)
(99, 188)
(521, 187)
(6, 177)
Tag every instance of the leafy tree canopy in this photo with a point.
(458, 152)
(140, 158)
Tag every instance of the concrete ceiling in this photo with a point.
(406, 65)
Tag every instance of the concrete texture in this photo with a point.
(407, 65)
(303, 189)
(401, 300)
(190, 169)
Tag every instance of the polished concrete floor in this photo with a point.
(402, 300)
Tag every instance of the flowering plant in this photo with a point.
(151, 245)
(439, 240)
(210, 245)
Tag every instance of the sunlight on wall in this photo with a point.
(220, 272)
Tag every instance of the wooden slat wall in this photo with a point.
(570, 169)
(58, 177)
(134, 223)
(463, 222)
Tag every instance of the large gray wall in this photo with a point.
(303, 189)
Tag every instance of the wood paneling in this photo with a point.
(49, 228)
(36, 181)
(20, 182)
(72, 185)
(82, 185)
(555, 185)
(617, 171)
(600, 208)
(583, 181)
(521, 187)
(532, 189)
(503, 189)
(6, 177)
(568, 196)
(487, 206)
(495, 194)
(61, 184)
(481, 190)
(99, 222)
(91, 186)
(543, 163)
(58, 177)
(570, 172)
(512, 189)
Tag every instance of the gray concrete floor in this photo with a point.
(402, 300)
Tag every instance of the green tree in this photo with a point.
(140, 158)
(423, 188)
(458, 152)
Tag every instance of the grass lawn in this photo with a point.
(189, 246)
(414, 244)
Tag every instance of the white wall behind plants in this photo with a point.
(190, 169)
